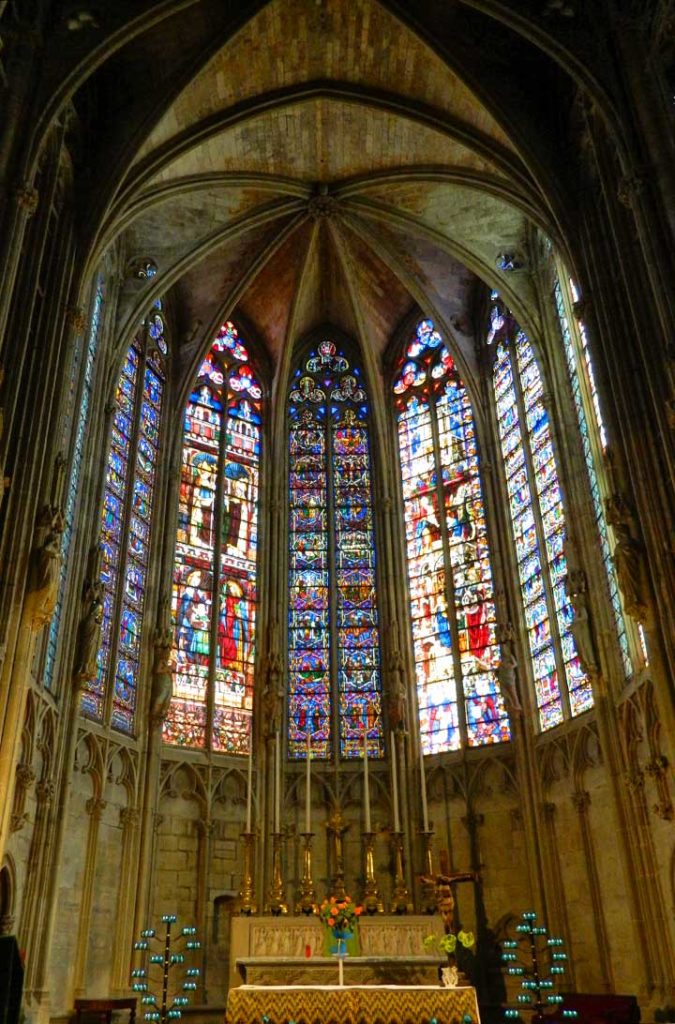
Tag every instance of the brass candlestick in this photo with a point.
(247, 903)
(307, 898)
(429, 903)
(277, 903)
(400, 901)
(372, 900)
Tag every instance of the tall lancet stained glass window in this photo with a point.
(333, 631)
(126, 525)
(538, 523)
(214, 582)
(449, 571)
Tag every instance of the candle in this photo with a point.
(366, 787)
(394, 783)
(308, 787)
(249, 788)
(423, 784)
(277, 783)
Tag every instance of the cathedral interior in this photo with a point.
(338, 365)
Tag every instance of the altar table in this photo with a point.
(351, 1004)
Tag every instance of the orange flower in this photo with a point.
(358, 911)
(331, 921)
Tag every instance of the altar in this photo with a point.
(351, 1004)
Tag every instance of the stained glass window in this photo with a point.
(538, 525)
(125, 527)
(585, 365)
(333, 630)
(448, 558)
(214, 582)
(73, 485)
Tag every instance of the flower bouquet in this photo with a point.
(452, 945)
(340, 918)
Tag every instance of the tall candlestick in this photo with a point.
(366, 785)
(308, 786)
(277, 782)
(249, 788)
(394, 783)
(423, 785)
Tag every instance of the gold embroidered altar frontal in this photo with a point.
(351, 1004)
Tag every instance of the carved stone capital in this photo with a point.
(95, 807)
(25, 776)
(656, 768)
(635, 779)
(129, 817)
(664, 810)
(549, 811)
(17, 821)
(44, 791)
(27, 198)
(581, 800)
(76, 319)
(110, 408)
(630, 188)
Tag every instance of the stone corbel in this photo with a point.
(581, 801)
(95, 807)
(27, 199)
(656, 769)
(76, 319)
(25, 777)
(635, 779)
(630, 188)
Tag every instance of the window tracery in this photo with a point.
(126, 521)
(582, 381)
(333, 627)
(448, 559)
(214, 596)
(73, 485)
(538, 524)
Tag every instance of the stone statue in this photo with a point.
(506, 671)
(575, 587)
(273, 694)
(629, 560)
(398, 696)
(162, 676)
(91, 624)
(45, 567)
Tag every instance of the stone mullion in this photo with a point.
(95, 807)
(433, 400)
(555, 889)
(581, 801)
(124, 917)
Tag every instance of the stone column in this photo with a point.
(581, 801)
(95, 807)
(124, 922)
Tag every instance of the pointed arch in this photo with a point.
(214, 593)
(448, 558)
(333, 625)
